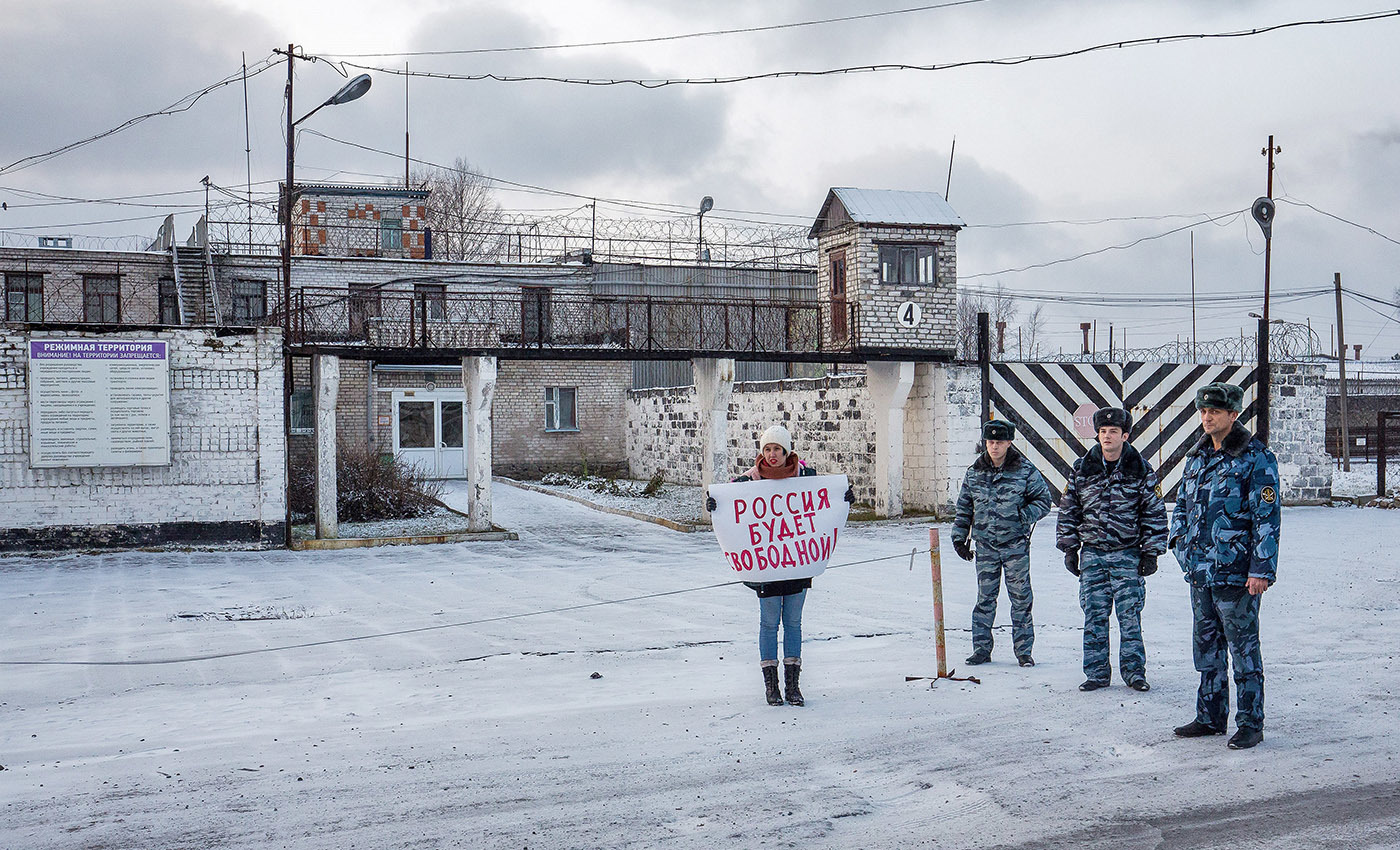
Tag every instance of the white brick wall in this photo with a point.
(227, 450)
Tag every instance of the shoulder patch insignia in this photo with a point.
(1158, 489)
(1268, 495)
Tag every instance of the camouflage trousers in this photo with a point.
(1015, 563)
(1110, 582)
(1226, 629)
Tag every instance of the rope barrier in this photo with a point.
(186, 659)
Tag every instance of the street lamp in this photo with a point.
(706, 204)
(348, 92)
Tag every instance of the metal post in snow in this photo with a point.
(936, 566)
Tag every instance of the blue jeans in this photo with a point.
(789, 610)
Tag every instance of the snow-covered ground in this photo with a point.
(403, 698)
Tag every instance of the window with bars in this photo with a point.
(303, 412)
(560, 412)
(169, 305)
(913, 265)
(391, 234)
(249, 301)
(102, 298)
(433, 297)
(24, 297)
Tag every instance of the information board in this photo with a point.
(96, 402)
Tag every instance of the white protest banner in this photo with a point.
(779, 530)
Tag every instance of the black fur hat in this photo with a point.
(1113, 417)
(998, 429)
(1221, 396)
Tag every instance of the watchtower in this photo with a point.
(888, 268)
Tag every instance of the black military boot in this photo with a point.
(980, 656)
(770, 684)
(1196, 729)
(791, 670)
(1243, 739)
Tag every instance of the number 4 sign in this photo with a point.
(910, 315)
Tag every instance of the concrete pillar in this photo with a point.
(714, 386)
(325, 387)
(889, 385)
(479, 381)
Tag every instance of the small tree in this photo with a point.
(462, 211)
(1000, 305)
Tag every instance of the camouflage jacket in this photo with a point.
(998, 506)
(1225, 525)
(1114, 510)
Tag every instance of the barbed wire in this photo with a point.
(1288, 342)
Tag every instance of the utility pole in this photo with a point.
(1268, 240)
(1342, 376)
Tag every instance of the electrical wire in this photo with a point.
(1298, 203)
(1231, 216)
(184, 104)
(185, 659)
(876, 68)
(660, 38)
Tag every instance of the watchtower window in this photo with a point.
(911, 265)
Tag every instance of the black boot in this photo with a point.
(790, 674)
(770, 684)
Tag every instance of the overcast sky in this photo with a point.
(1160, 136)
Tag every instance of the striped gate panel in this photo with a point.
(1162, 398)
(1041, 399)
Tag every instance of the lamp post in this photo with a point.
(706, 204)
(348, 92)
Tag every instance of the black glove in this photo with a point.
(1147, 565)
(850, 496)
(1072, 562)
(710, 503)
(963, 548)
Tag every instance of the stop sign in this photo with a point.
(1084, 421)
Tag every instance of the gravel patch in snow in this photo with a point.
(440, 520)
(677, 502)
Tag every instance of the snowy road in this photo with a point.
(175, 721)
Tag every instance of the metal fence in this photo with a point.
(555, 320)
(520, 239)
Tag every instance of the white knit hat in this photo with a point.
(776, 434)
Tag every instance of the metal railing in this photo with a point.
(514, 238)
(556, 320)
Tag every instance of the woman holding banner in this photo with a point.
(779, 601)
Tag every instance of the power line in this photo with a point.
(1231, 216)
(1297, 203)
(182, 105)
(659, 38)
(876, 68)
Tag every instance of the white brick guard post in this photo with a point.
(479, 381)
(889, 385)
(714, 387)
(325, 383)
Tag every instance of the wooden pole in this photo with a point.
(936, 565)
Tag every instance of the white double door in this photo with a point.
(428, 432)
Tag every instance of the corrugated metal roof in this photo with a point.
(890, 206)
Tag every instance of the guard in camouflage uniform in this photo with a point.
(1002, 496)
(1224, 533)
(1112, 526)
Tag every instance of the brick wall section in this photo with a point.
(1297, 431)
(827, 417)
(225, 482)
(139, 275)
(878, 302)
(521, 446)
